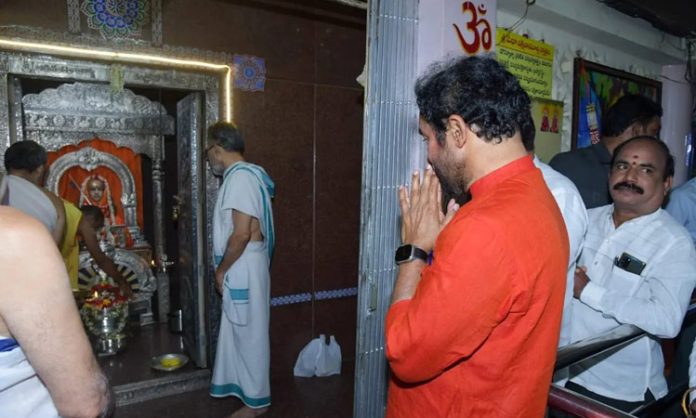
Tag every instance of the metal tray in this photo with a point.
(174, 357)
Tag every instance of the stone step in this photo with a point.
(145, 390)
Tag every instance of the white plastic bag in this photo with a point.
(319, 359)
(307, 360)
(329, 360)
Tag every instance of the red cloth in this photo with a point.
(72, 180)
(479, 337)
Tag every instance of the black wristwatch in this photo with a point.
(407, 253)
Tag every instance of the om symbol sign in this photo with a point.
(481, 37)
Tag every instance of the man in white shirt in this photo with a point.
(638, 267)
(572, 207)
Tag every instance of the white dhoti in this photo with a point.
(243, 355)
(22, 393)
(242, 360)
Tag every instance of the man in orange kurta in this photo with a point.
(474, 334)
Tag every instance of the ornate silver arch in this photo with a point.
(73, 112)
(89, 159)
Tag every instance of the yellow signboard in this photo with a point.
(529, 60)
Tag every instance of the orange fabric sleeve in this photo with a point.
(462, 296)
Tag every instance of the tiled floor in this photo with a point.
(292, 397)
(325, 397)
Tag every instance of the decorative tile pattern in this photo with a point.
(308, 297)
(336, 293)
(116, 18)
(291, 299)
(249, 73)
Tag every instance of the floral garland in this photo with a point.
(105, 295)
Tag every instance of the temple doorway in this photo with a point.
(136, 154)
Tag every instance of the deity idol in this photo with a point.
(95, 191)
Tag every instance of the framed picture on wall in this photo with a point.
(548, 121)
(596, 88)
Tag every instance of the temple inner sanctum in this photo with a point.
(119, 152)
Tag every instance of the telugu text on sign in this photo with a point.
(529, 60)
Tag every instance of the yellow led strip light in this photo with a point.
(131, 58)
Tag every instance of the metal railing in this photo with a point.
(569, 402)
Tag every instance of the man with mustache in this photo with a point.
(588, 168)
(474, 333)
(638, 267)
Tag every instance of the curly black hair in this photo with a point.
(480, 90)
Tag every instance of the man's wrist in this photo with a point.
(407, 280)
(416, 262)
(219, 271)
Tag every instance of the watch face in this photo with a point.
(409, 252)
(403, 253)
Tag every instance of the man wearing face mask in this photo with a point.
(638, 267)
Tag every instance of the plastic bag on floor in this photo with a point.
(318, 358)
(307, 360)
(329, 360)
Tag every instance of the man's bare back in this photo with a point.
(37, 309)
